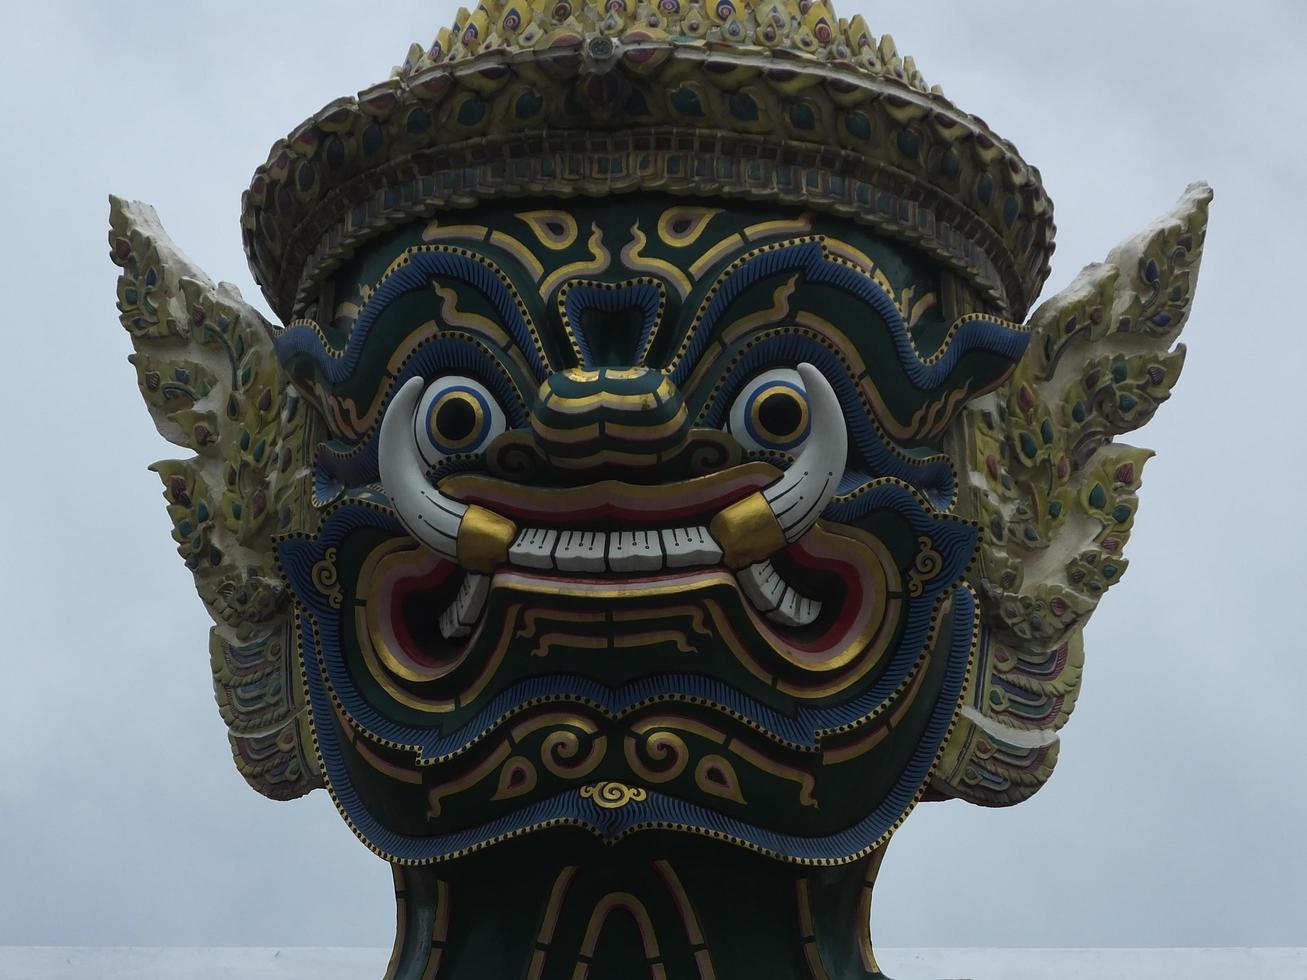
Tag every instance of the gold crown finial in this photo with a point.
(803, 29)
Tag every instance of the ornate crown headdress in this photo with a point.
(753, 99)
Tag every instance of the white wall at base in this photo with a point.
(222, 963)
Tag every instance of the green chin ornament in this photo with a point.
(653, 494)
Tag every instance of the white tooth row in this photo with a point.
(617, 551)
(770, 595)
(629, 551)
(457, 621)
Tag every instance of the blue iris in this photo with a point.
(765, 437)
(476, 434)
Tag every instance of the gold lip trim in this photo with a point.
(697, 495)
(484, 538)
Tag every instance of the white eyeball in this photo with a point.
(771, 413)
(456, 416)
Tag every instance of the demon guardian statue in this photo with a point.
(653, 493)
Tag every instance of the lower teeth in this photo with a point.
(457, 620)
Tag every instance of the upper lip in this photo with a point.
(748, 531)
(612, 502)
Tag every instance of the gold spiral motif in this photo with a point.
(563, 754)
(708, 457)
(613, 795)
(326, 579)
(667, 751)
(928, 564)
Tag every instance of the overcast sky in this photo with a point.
(1177, 813)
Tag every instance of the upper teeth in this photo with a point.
(618, 551)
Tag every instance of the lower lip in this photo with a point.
(610, 588)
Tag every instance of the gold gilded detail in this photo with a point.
(681, 226)
(473, 433)
(716, 776)
(650, 433)
(666, 750)
(783, 392)
(549, 433)
(639, 402)
(748, 531)
(517, 778)
(556, 229)
(599, 260)
(633, 258)
(927, 565)
(483, 539)
(326, 579)
(613, 795)
(435, 232)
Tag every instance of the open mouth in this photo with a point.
(619, 562)
(774, 621)
(750, 527)
(620, 546)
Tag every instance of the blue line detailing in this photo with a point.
(570, 806)
(421, 270)
(993, 336)
(440, 355)
(934, 475)
(582, 297)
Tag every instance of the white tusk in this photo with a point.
(798, 498)
(428, 514)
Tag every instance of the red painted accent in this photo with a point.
(406, 587)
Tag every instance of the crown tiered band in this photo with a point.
(775, 102)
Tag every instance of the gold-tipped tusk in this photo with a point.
(747, 531)
(484, 538)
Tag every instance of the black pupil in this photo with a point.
(455, 419)
(780, 413)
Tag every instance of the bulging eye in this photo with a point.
(771, 413)
(456, 416)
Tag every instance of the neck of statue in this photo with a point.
(615, 914)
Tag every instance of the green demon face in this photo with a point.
(636, 518)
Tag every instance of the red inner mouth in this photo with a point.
(820, 565)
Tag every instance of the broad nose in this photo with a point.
(632, 419)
